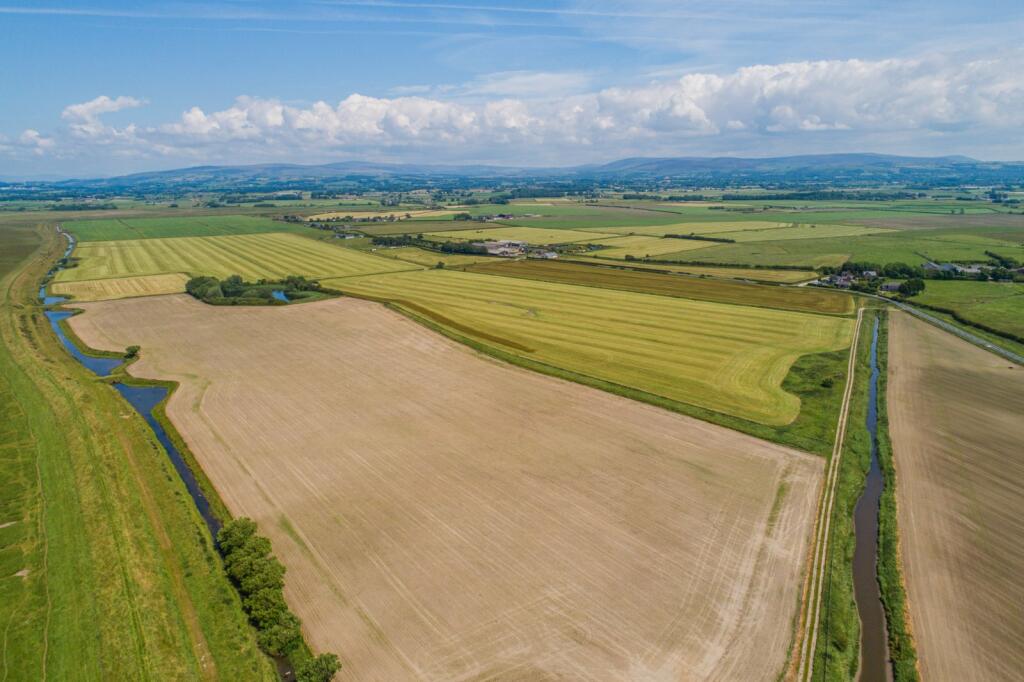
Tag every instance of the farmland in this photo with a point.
(725, 358)
(122, 287)
(696, 228)
(251, 256)
(428, 259)
(999, 305)
(185, 226)
(530, 235)
(107, 571)
(804, 300)
(955, 421)
(640, 246)
(759, 274)
(440, 539)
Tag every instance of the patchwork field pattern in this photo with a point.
(521, 527)
(185, 226)
(121, 287)
(640, 246)
(726, 358)
(530, 235)
(251, 256)
(757, 274)
(696, 228)
(804, 299)
(356, 213)
(955, 421)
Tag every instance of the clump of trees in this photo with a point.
(912, 287)
(234, 290)
(259, 578)
(418, 240)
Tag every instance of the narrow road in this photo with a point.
(953, 329)
(820, 559)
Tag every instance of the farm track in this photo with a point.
(816, 578)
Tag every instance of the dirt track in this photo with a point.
(957, 425)
(447, 517)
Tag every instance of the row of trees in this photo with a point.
(418, 240)
(259, 578)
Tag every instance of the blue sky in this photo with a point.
(96, 88)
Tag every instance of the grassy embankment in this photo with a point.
(838, 648)
(108, 571)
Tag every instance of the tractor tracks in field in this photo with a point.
(816, 578)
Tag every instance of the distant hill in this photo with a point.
(806, 170)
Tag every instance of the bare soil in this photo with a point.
(444, 516)
(957, 425)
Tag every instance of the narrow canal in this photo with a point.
(874, 649)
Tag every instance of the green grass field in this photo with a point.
(696, 228)
(784, 298)
(726, 358)
(187, 226)
(999, 305)
(108, 572)
(252, 256)
(428, 259)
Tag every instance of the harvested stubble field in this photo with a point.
(414, 254)
(397, 213)
(730, 359)
(530, 235)
(122, 287)
(956, 425)
(447, 517)
(251, 256)
(803, 299)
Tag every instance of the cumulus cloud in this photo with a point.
(533, 118)
(35, 142)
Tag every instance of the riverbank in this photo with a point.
(114, 575)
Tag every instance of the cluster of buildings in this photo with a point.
(509, 248)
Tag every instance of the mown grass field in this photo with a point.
(640, 246)
(999, 305)
(530, 235)
(121, 287)
(428, 259)
(108, 572)
(494, 523)
(252, 256)
(113, 229)
(726, 358)
(737, 293)
(695, 228)
(756, 274)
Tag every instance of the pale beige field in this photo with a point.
(122, 287)
(957, 426)
(444, 516)
(398, 214)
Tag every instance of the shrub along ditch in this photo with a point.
(259, 578)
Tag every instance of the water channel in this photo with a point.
(874, 649)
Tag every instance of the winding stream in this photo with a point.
(874, 650)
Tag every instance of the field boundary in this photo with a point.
(763, 431)
(815, 579)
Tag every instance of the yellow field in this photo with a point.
(697, 228)
(756, 274)
(727, 358)
(530, 235)
(398, 214)
(413, 254)
(122, 287)
(252, 256)
(445, 517)
(641, 246)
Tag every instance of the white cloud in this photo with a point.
(36, 143)
(534, 118)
